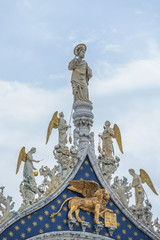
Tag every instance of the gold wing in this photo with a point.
(22, 157)
(53, 124)
(86, 188)
(146, 179)
(117, 135)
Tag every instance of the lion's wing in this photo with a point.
(86, 188)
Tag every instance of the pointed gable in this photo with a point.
(37, 221)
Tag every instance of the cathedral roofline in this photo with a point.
(88, 151)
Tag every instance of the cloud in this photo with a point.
(27, 4)
(112, 48)
(25, 115)
(73, 35)
(138, 74)
(27, 110)
(139, 12)
(55, 77)
(136, 111)
(140, 128)
(21, 100)
(43, 31)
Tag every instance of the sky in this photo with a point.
(123, 51)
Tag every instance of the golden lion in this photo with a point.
(94, 202)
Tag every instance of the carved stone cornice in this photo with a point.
(63, 235)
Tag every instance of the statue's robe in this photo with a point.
(28, 172)
(80, 77)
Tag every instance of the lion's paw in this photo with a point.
(99, 222)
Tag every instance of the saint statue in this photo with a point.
(81, 73)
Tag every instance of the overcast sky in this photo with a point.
(37, 39)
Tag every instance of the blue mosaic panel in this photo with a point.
(39, 222)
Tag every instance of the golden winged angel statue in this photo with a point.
(59, 123)
(94, 201)
(107, 135)
(28, 164)
(137, 182)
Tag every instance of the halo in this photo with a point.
(81, 45)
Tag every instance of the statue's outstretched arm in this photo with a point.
(34, 168)
(37, 161)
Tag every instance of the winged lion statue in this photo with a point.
(94, 201)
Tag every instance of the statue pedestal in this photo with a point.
(83, 121)
(108, 166)
(111, 230)
(71, 222)
(84, 226)
(143, 213)
(98, 227)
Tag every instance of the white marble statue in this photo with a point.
(62, 129)
(107, 142)
(137, 182)
(122, 188)
(62, 126)
(61, 151)
(28, 187)
(81, 73)
(107, 136)
(28, 170)
(157, 225)
(137, 185)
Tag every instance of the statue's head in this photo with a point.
(80, 50)
(106, 196)
(102, 193)
(33, 150)
(61, 114)
(131, 171)
(107, 124)
(116, 179)
(81, 53)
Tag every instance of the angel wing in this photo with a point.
(86, 188)
(53, 124)
(22, 157)
(146, 179)
(117, 135)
